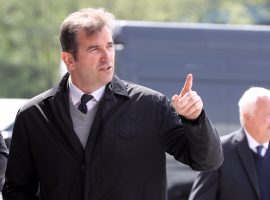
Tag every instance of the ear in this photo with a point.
(68, 60)
(247, 117)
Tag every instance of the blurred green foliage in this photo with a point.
(30, 50)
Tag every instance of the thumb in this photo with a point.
(187, 86)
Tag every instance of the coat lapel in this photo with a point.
(63, 121)
(106, 107)
(246, 159)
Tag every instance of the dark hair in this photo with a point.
(89, 20)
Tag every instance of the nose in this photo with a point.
(106, 55)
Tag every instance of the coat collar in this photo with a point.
(116, 86)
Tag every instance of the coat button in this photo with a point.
(82, 167)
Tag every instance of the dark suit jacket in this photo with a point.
(235, 179)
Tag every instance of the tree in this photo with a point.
(30, 50)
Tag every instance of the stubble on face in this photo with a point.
(94, 66)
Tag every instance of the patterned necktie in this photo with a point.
(84, 99)
(260, 150)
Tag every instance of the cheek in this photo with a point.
(266, 124)
(112, 54)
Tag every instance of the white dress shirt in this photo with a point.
(252, 143)
(76, 94)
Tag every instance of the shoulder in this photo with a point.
(36, 101)
(231, 140)
(233, 136)
(129, 89)
(60, 88)
(136, 89)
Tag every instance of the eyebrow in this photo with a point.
(92, 47)
(96, 46)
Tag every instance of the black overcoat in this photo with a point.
(124, 158)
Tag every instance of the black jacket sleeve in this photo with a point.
(192, 142)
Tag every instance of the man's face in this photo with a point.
(260, 122)
(94, 66)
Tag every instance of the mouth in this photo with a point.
(106, 68)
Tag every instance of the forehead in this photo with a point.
(102, 35)
(94, 33)
(263, 103)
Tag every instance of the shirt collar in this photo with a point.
(76, 93)
(252, 143)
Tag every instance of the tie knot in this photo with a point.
(84, 99)
(260, 150)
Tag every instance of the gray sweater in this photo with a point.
(82, 122)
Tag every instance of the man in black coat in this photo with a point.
(96, 137)
(3, 160)
(245, 172)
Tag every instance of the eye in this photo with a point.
(111, 45)
(92, 48)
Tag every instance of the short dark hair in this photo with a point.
(89, 20)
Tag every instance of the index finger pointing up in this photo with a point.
(188, 85)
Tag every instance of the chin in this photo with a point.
(107, 79)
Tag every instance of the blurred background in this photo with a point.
(225, 57)
(29, 47)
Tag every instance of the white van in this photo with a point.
(8, 110)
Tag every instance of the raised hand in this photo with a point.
(188, 103)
